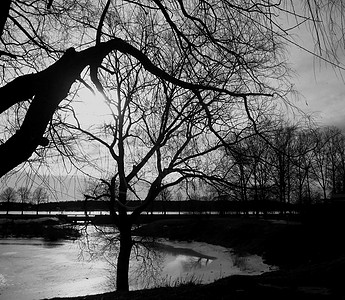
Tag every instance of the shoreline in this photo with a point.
(311, 259)
(48, 228)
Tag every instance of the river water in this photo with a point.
(37, 269)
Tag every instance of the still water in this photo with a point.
(37, 269)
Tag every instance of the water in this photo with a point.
(36, 269)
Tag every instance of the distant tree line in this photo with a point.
(23, 197)
(289, 164)
(163, 207)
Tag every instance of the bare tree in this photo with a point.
(302, 160)
(159, 135)
(24, 194)
(340, 150)
(36, 35)
(335, 153)
(180, 78)
(321, 162)
(164, 196)
(8, 196)
(39, 195)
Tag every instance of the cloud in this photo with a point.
(321, 87)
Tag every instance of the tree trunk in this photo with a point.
(122, 272)
(343, 177)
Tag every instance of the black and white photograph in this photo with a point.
(172, 149)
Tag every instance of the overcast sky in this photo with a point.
(321, 88)
(321, 92)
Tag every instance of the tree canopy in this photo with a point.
(232, 49)
(181, 80)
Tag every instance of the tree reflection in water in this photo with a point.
(102, 243)
(152, 263)
(156, 263)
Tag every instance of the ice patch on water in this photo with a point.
(2, 280)
(8, 253)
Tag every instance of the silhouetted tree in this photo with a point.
(26, 50)
(39, 195)
(179, 198)
(321, 161)
(302, 162)
(9, 196)
(181, 77)
(164, 196)
(24, 194)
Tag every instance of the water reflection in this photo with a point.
(88, 265)
(52, 244)
(31, 269)
(184, 263)
(32, 242)
(166, 263)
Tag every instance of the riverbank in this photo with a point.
(50, 228)
(310, 257)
